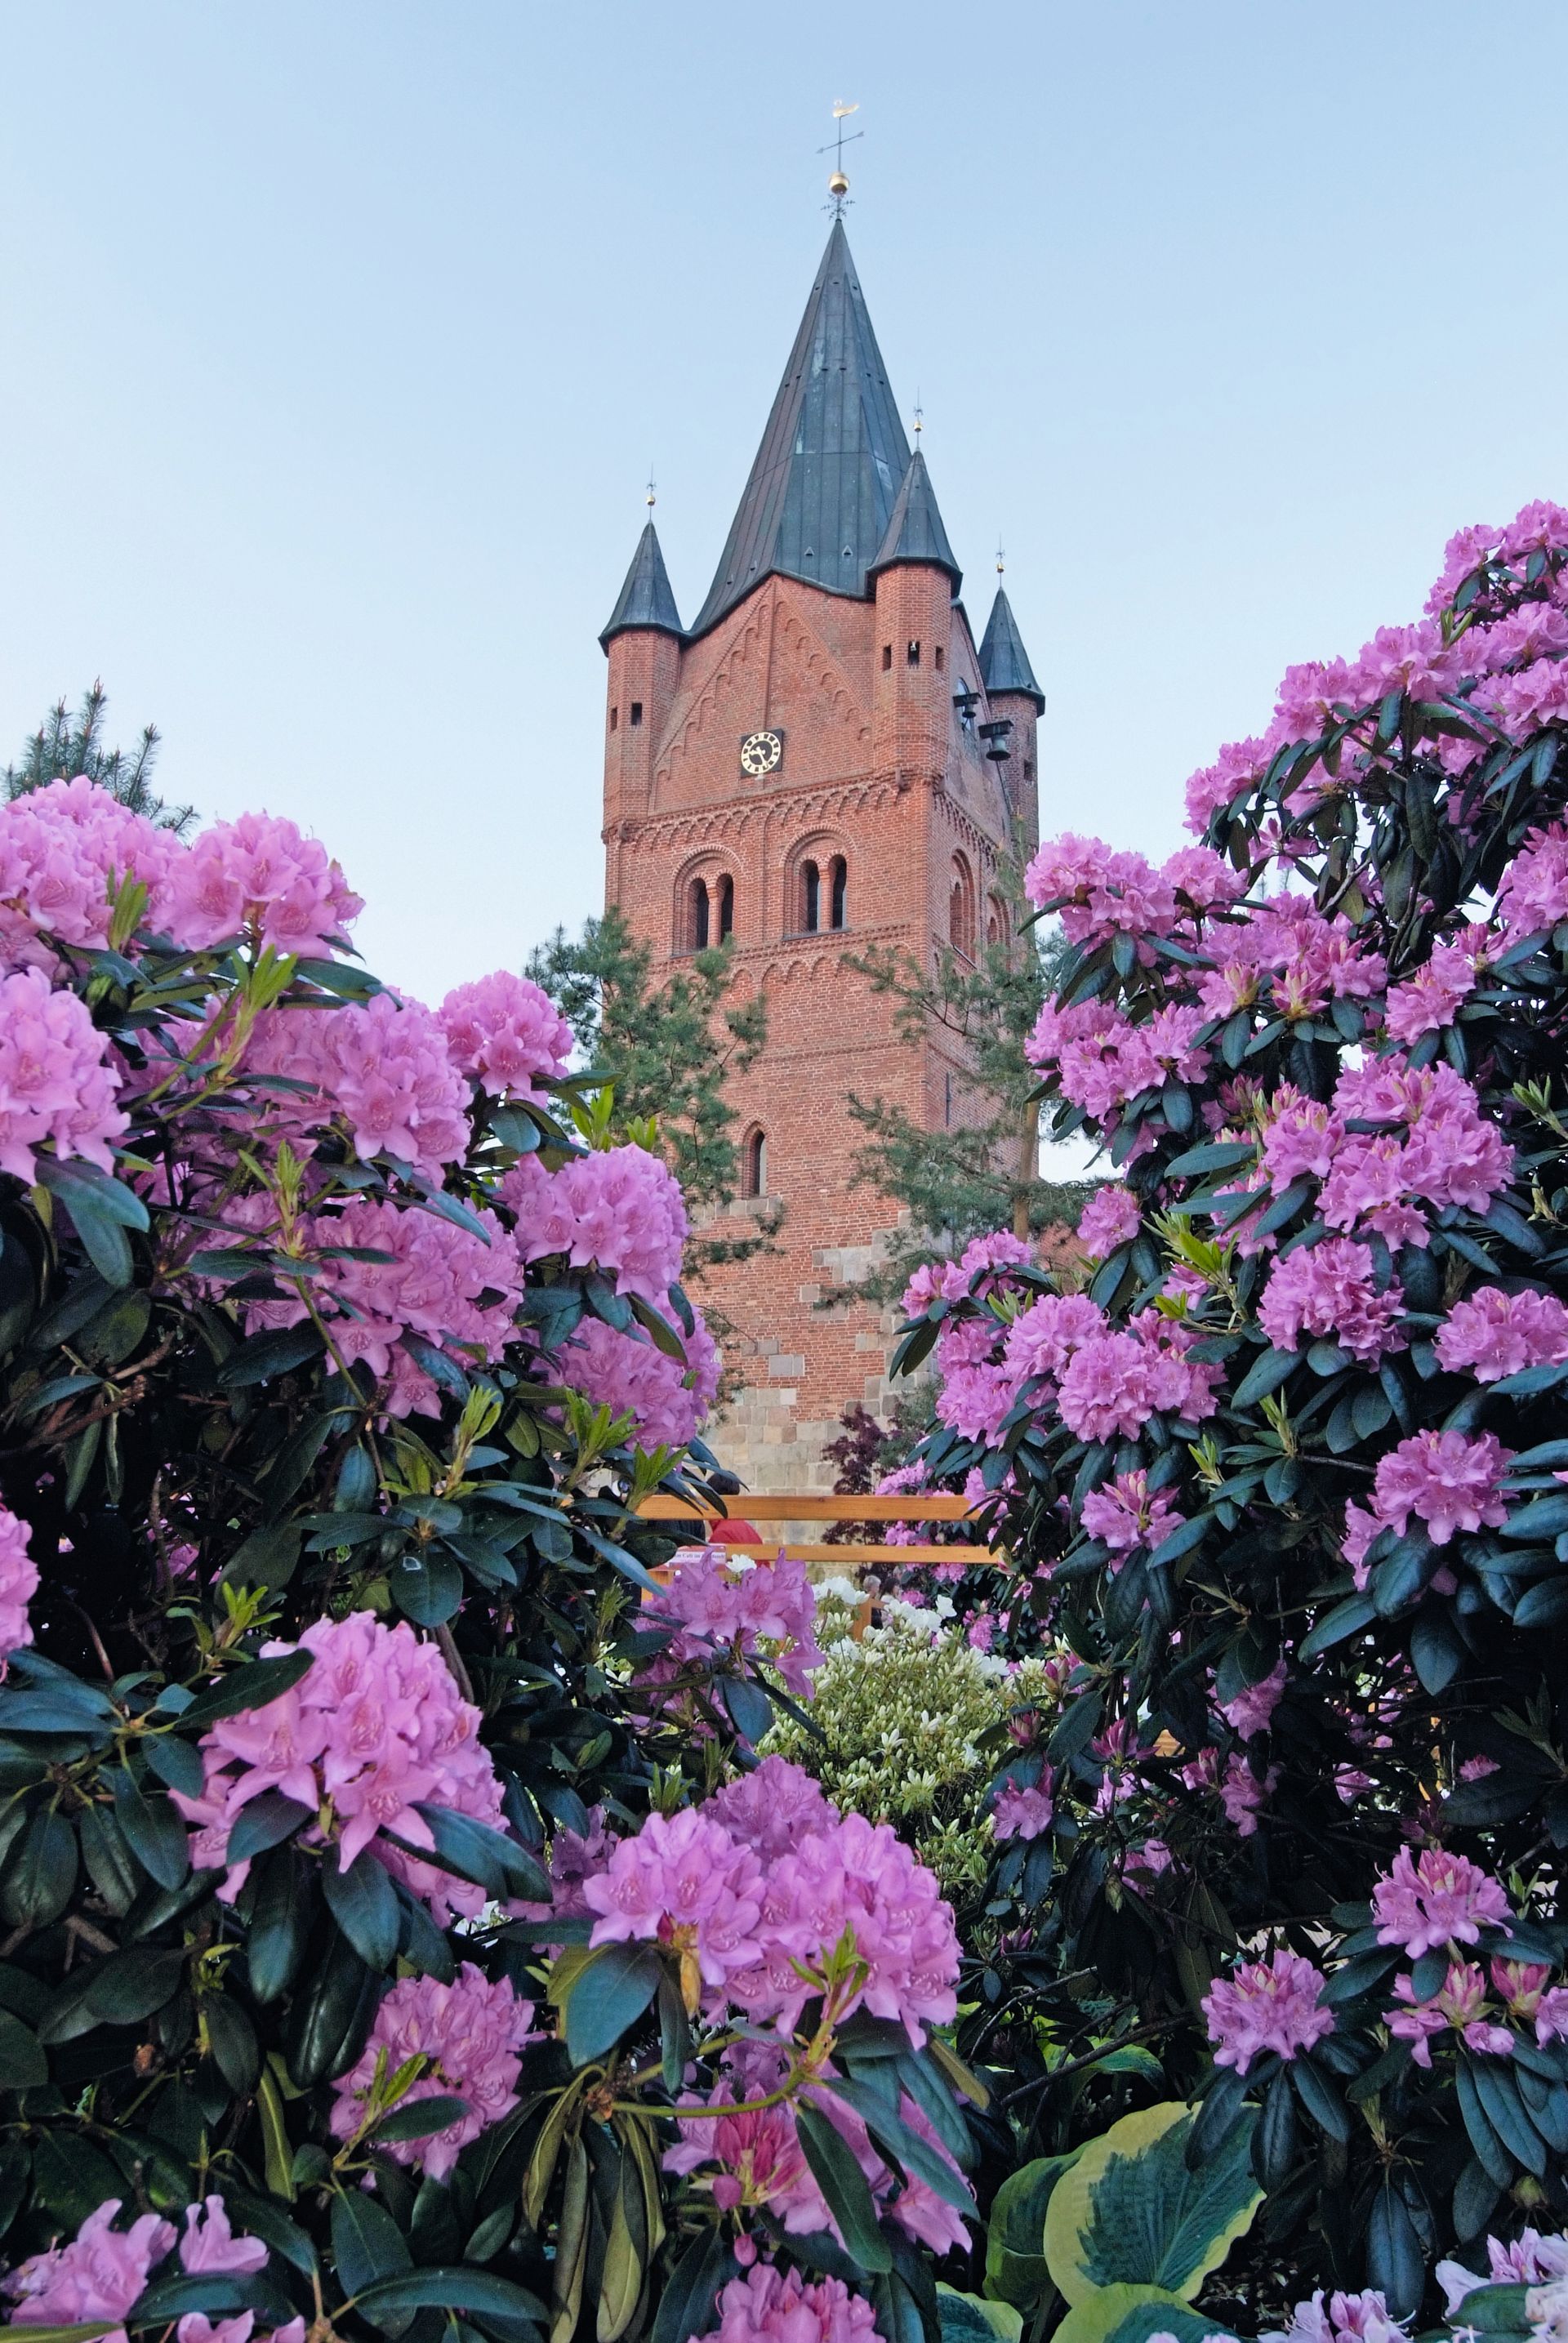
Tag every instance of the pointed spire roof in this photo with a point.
(915, 531)
(646, 599)
(1003, 661)
(827, 474)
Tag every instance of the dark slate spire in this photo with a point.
(915, 532)
(822, 489)
(646, 599)
(1003, 661)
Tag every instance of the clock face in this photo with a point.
(761, 752)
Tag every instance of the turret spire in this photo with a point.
(646, 599)
(915, 531)
(1003, 661)
(825, 479)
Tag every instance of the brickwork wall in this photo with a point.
(878, 768)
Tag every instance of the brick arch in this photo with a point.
(822, 850)
(709, 868)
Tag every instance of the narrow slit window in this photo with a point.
(726, 908)
(837, 892)
(810, 898)
(938, 658)
(637, 711)
(615, 720)
(912, 655)
(755, 1178)
(699, 915)
(887, 655)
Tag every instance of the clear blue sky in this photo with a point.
(338, 339)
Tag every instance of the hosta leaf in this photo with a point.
(1134, 2314)
(1131, 2213)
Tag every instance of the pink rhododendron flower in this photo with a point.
(470, 2032)
(1125, 1512)
(1021, 1810)
(505, 1031)
(720, 1608)
(774, 1806)
(1449, 1480)
(1111, 1218)
(209, 2242)
(1458, 2003)
(1533, 895)
(376, 1728)
(1363, 2317)
(63, 850)
(1042, 1338)
(18, 1584)
(1097, 892)
(1244, 1795)
(1431, 999)
(684, 1882)
(1238, 766)
(771, 2306)
(1493, 1333)
(98, 2274)
(1254, 1707)
(381, 1068)
(619, 1210)
(1105, 1388)
(1529, 2259)
(626, 1373)
(1266, 2005)
(259, 875)
(57, 1087)
(1440, 1899)
(1330, 1290)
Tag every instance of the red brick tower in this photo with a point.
(822, 761)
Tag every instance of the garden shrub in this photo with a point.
(1287, 1474)
(397, 1932)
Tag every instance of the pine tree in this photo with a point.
(65, 745)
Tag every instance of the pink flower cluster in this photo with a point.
(949, 1281)
(1528, 2259)
(1432, 997)
(720, 1608)
(1363, 2317)
(619, 1210)
(1458, 2003)
(1099, 893)
(1251, 1711)
(1266, 2005)
(1533, 895)
(1493, 1333)
(763, 2166)
(1449, 1480)
(469, 2033)
(505, 1032)
(439, 1280)
(772, 2305)
(626, 1373)
(103, 2271)
(1331, 1290)
(688, 1881)
(772, 1807)
(375, 1728)
(64, 850)
(258, 876)
(1125, 1514)
(1441, 1151)
(1022, 1810)
(57, 1087)
(1439, 1900)
(18, 1584)
(1287, 953)
(1102, 1380)
(382, 1069)
(1111, 1218)
(1102, 1059)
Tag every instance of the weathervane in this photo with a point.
(652, 497)
(838, 182)
(919, 415)
(1000, 557)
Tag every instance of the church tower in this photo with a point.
(822, 763)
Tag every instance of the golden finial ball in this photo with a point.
(837, 185)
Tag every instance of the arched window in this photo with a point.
(996, 921)
(962, 911)
(810, 898)
(699, 915)
(837, 892)
(754, 1164)
(726, 908)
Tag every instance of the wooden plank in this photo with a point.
(967, 1554)
(933, 1506)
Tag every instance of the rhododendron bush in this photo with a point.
(399, 1932)
(1285, 1465)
